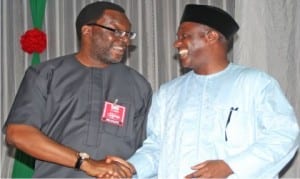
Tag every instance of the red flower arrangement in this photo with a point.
(33, 41)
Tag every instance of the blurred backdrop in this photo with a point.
(268, 39)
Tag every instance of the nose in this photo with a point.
(177, 43)
(126, 40)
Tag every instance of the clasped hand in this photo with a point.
(115, 167)
(110, 167)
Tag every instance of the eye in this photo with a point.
(119, 33)
(183, 36)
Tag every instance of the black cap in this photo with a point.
(92, 12)
(211, 16)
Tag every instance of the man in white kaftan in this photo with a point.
(187, 125)
(220, 120)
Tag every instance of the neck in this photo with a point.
(211, 68)
(87, 60)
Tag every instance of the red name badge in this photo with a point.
(113, 113)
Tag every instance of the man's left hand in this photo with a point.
(211, 169)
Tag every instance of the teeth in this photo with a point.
(118, 48)
(183, 52)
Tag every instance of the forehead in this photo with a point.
(114, 17)
(190, 26)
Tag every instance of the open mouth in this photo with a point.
(183, 52)
(119, 50)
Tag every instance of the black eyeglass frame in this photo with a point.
(118, 33)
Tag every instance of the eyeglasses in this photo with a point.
(117, 33)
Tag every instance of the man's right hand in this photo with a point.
(105, 169)
(122, 168)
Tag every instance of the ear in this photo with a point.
(212, 36)
(85, 30)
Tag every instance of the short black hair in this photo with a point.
(92, 12)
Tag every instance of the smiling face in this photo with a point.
(192, 44)
(105, 46)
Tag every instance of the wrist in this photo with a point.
(86, 166)
(81, 158)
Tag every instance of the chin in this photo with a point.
(115, 60)
(185, 63)
(185, 66)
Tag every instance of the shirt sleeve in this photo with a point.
(277, 137)
(29, 104)
(148, 154)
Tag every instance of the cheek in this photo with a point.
(102, 38)
(103, 42)
(196, 45)
(196, 48)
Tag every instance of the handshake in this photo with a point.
(110, 167)
(115, 167)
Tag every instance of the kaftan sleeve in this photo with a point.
(29, 104)
(146, 158)
(277, 137)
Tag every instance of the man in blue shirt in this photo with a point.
(220, 120)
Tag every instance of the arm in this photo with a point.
(277, 135)
(272, 143)
(35, 143)
(26, 118)
(148, 154)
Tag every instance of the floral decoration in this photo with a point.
(33, 41)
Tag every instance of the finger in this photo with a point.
(111, 158)
(108, 160)
(191, 175)
(106, 175)
(202, 172)
(126, 172)
(198, 166)
(122, 162)
(117, 159)
(114, 171)
(120, 174)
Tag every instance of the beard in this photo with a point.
(103, 52)
(105, 56)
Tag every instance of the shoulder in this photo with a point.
(136, 76)
(177, 82)
(250, 72)
(43, 72)
(50, 65)
(53, 63)
(253, 76)
(175, 87)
